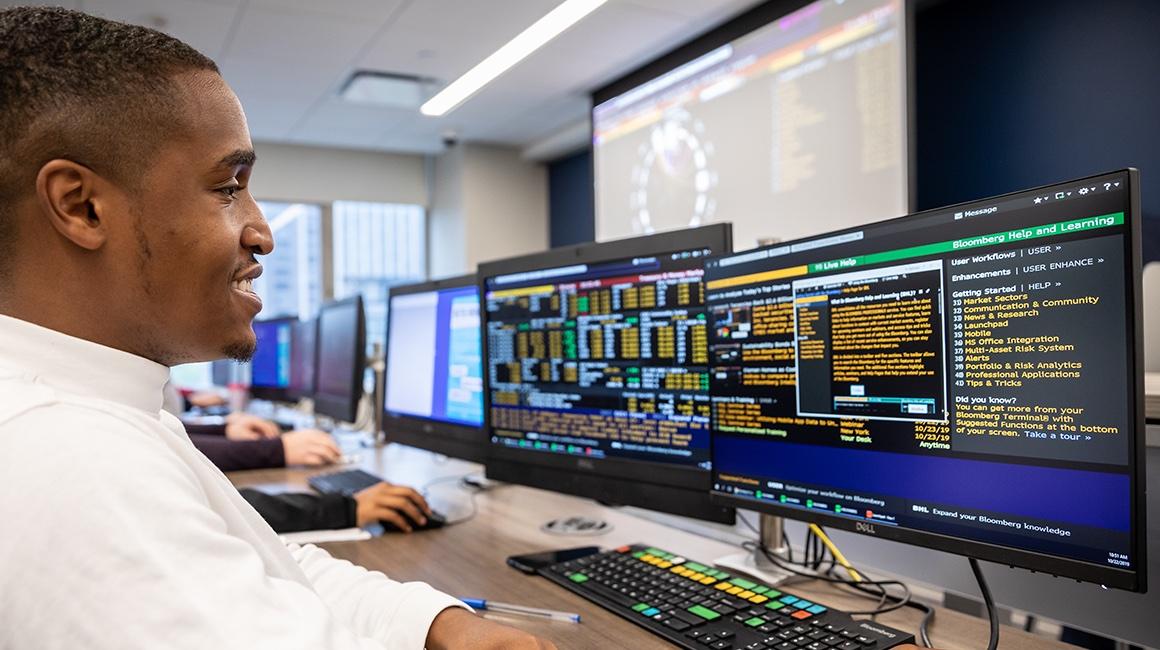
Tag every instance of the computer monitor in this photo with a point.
(341, 359)
(270, 366)
(967, 379)
(434, 376)
(222, 372)
(597, 375)
(303, 358)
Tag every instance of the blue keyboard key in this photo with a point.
(816, 609)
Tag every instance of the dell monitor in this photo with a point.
(341, 359)
(967, 379)
(434, 374)
(597, 376)
(270, 366)
(303, 358)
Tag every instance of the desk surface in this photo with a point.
(467, 559)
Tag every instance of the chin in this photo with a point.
(242, 350)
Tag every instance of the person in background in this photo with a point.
(128, 245)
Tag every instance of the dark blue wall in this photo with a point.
(1009, 94)
(570, 200)
(1014, 94)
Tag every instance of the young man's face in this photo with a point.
(196, 230)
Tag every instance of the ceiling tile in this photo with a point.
(201, 24)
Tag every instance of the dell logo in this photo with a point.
(865, 528)
(585, 464)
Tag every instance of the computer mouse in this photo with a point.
(434, 520)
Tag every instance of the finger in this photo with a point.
(404, 505)
(412, 495)
(267, 429)
(390, 516)
(314, 458)
(329, 452)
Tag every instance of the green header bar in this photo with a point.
(979, 241)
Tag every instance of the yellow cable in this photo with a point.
(817, 530)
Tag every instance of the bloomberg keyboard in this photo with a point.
(695, 606)
(346, 483)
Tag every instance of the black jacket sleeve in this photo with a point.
(231, 455)
(288, 513)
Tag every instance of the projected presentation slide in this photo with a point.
(797, 128)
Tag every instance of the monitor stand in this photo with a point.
(754, 562)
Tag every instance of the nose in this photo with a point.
(257, 236)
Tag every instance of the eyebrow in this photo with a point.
(239, 158)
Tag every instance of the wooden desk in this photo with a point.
(467, 560)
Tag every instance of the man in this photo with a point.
(127, 244)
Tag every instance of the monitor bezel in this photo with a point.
(1135, 580)
(461, 441)
(292, 392)
(342, 408)
(270, 393)
(686, 490)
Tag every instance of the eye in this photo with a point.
(230, 191)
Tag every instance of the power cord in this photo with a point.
(817, 549)
(992, 614)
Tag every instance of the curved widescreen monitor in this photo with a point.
(270, 366)
(341, 359)
(967, 379)
(787, 121)
(434, 372)
(596, 372)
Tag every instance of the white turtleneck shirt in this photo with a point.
(115, 532)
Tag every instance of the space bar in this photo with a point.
(609, 593)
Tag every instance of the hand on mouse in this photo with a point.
(310, 447)
(395, 504)
(243, 426)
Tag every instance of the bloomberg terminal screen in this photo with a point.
(962, 372)
(602, 360)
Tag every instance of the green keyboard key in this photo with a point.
(578, 577)
(696, 567)
(773, 593)
(640, 607)
(760, 589)
(775, 604)
(755, 621)
(744, 584)
(704, 612)
(657, 552)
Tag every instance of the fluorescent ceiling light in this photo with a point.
(531, 39)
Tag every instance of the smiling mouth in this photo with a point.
(245, 285)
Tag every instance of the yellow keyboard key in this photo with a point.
(697, 576)
(746, 594)
(758, 599)
(708, 580)
(723, 586)
(735, 590)
(665, 565)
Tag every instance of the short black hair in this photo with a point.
(73, 86)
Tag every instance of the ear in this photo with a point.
(67, 193)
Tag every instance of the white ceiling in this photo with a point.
(287, 59)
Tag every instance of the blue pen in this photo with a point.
(506, 608)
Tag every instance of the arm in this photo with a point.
(232, 455)
(287, 513)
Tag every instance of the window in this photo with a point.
(377, 246)
(291, 283)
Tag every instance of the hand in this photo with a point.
(459, 628)
(394, 503)
(205, 399)
(310, 447)
(243, 426)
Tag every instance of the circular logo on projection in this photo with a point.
(673, 180)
